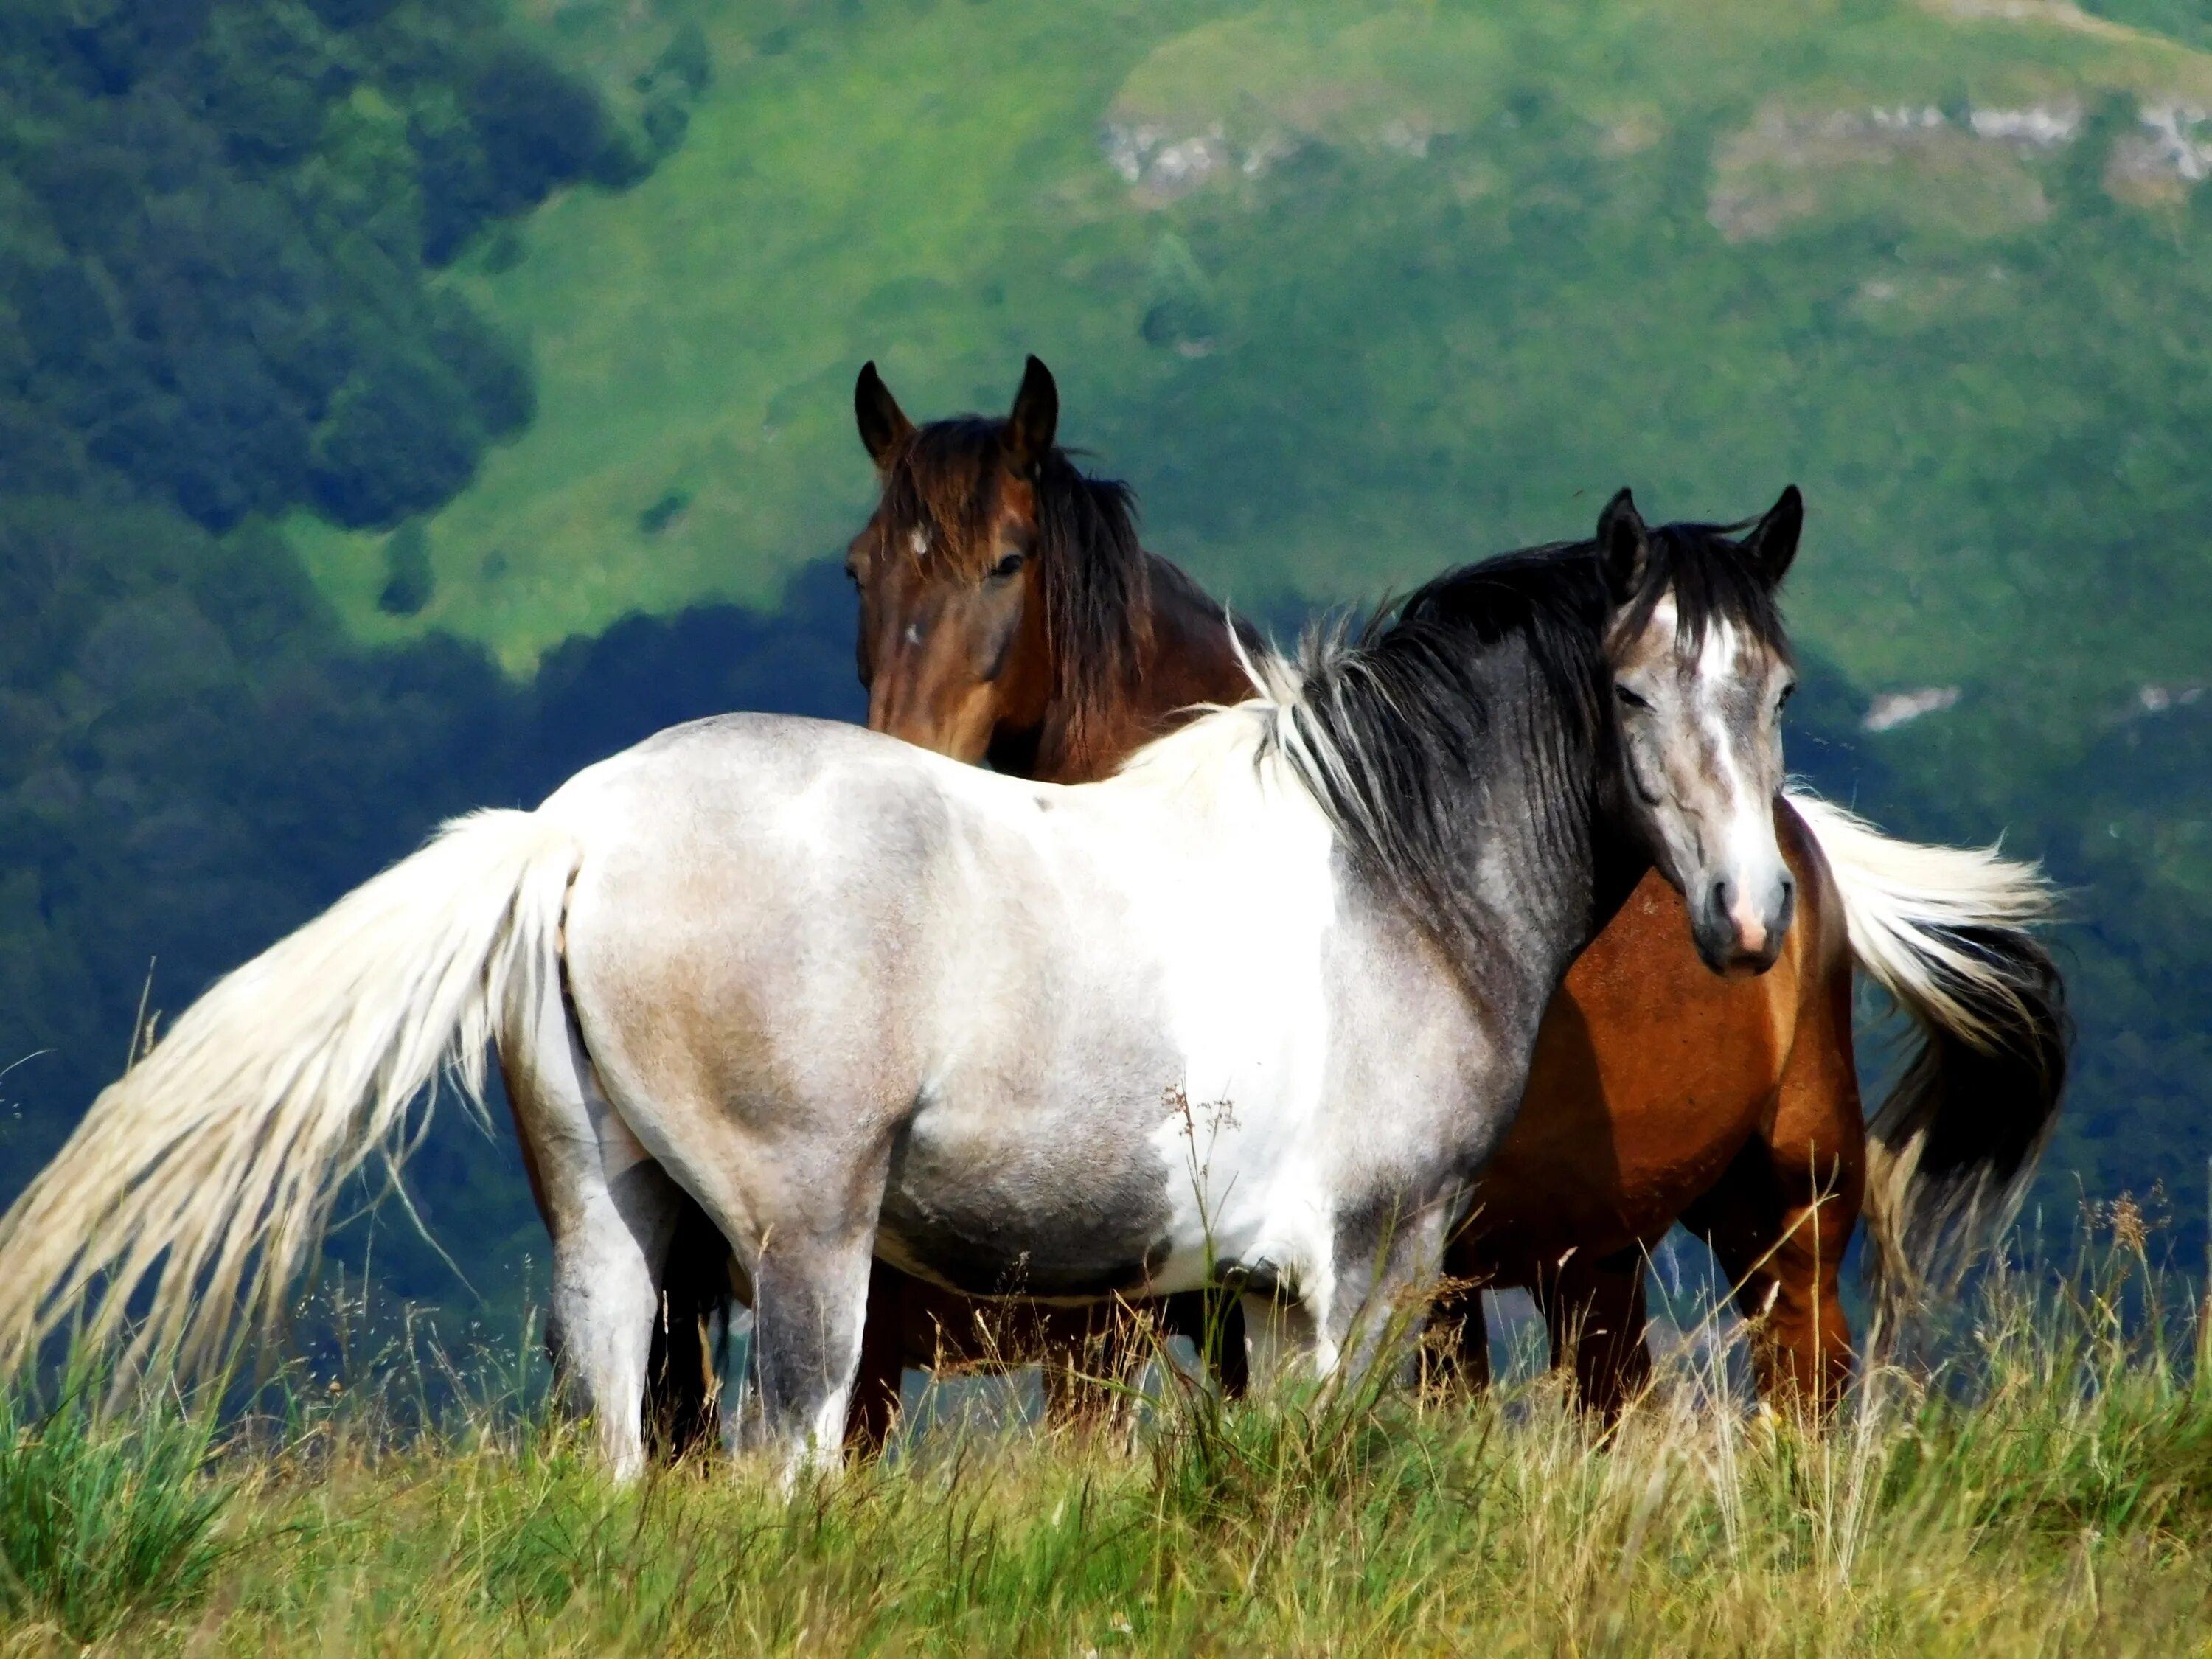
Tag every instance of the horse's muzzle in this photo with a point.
(1739, 935)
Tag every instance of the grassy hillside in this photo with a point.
(2050, 1498)
(1347, 291)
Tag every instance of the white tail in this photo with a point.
(1944, 930)
(218, 1157)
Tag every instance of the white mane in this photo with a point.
(1225, 736)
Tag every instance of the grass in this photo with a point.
(2047, 1488)
(100, 1522)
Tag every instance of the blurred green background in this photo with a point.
(403, 403)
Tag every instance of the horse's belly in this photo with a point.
(1137, 1201)
(1026, 1202)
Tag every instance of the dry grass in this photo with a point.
(2046, 1488)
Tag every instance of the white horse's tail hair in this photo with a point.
(217, 1158)
(1944, 930)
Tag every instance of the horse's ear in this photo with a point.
(1773, 540)
(882, 422)
(1624, 547)
(1034, 418)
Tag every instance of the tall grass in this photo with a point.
(2044, 1485)
(103, 1521)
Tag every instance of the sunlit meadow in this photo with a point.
(2037, 1479)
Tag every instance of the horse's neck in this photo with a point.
(1188, 645)
(1543, 869)
(1183, 657)
(1534, 918)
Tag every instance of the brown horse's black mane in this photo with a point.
(1094, 575)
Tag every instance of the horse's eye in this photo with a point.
(1628, 698)
(1008, 566)
(1788, 692)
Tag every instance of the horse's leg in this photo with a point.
(610, 1210)
(1781, 1216)
(1279, 1336)
(1781, 1241)
(1213, 1321)
(682, 1390)
(1779, 1220)
(810, 1306)
(802, 1219)
(886, 1347)
(1594, 1308)
(1461, 1335)
(1074, 1347)
(1366, 1305)
(1470, 1346)
(1455, 1348)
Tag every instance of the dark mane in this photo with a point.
(1095, 579)
(1489, 681)
(1702, 566)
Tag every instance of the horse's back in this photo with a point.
(808, 910)
(736, 763)
(751, 892)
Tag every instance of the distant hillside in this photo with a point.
(1349, 291)
(1346, 290)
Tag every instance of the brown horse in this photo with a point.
(1008, 614)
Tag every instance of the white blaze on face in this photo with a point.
(1730, 696)
(1701, 736)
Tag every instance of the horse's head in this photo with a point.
(1701, 668)
(953, 646)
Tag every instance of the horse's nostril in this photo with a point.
(1719, 898)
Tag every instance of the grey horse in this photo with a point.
(1255, 1010)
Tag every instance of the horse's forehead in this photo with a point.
(1728, 653)
(948, 513)
(920, 549)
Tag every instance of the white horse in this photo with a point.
(1258, 1009)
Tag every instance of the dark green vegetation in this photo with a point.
(220, 299)
(2050, 1492)
(348, 348)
